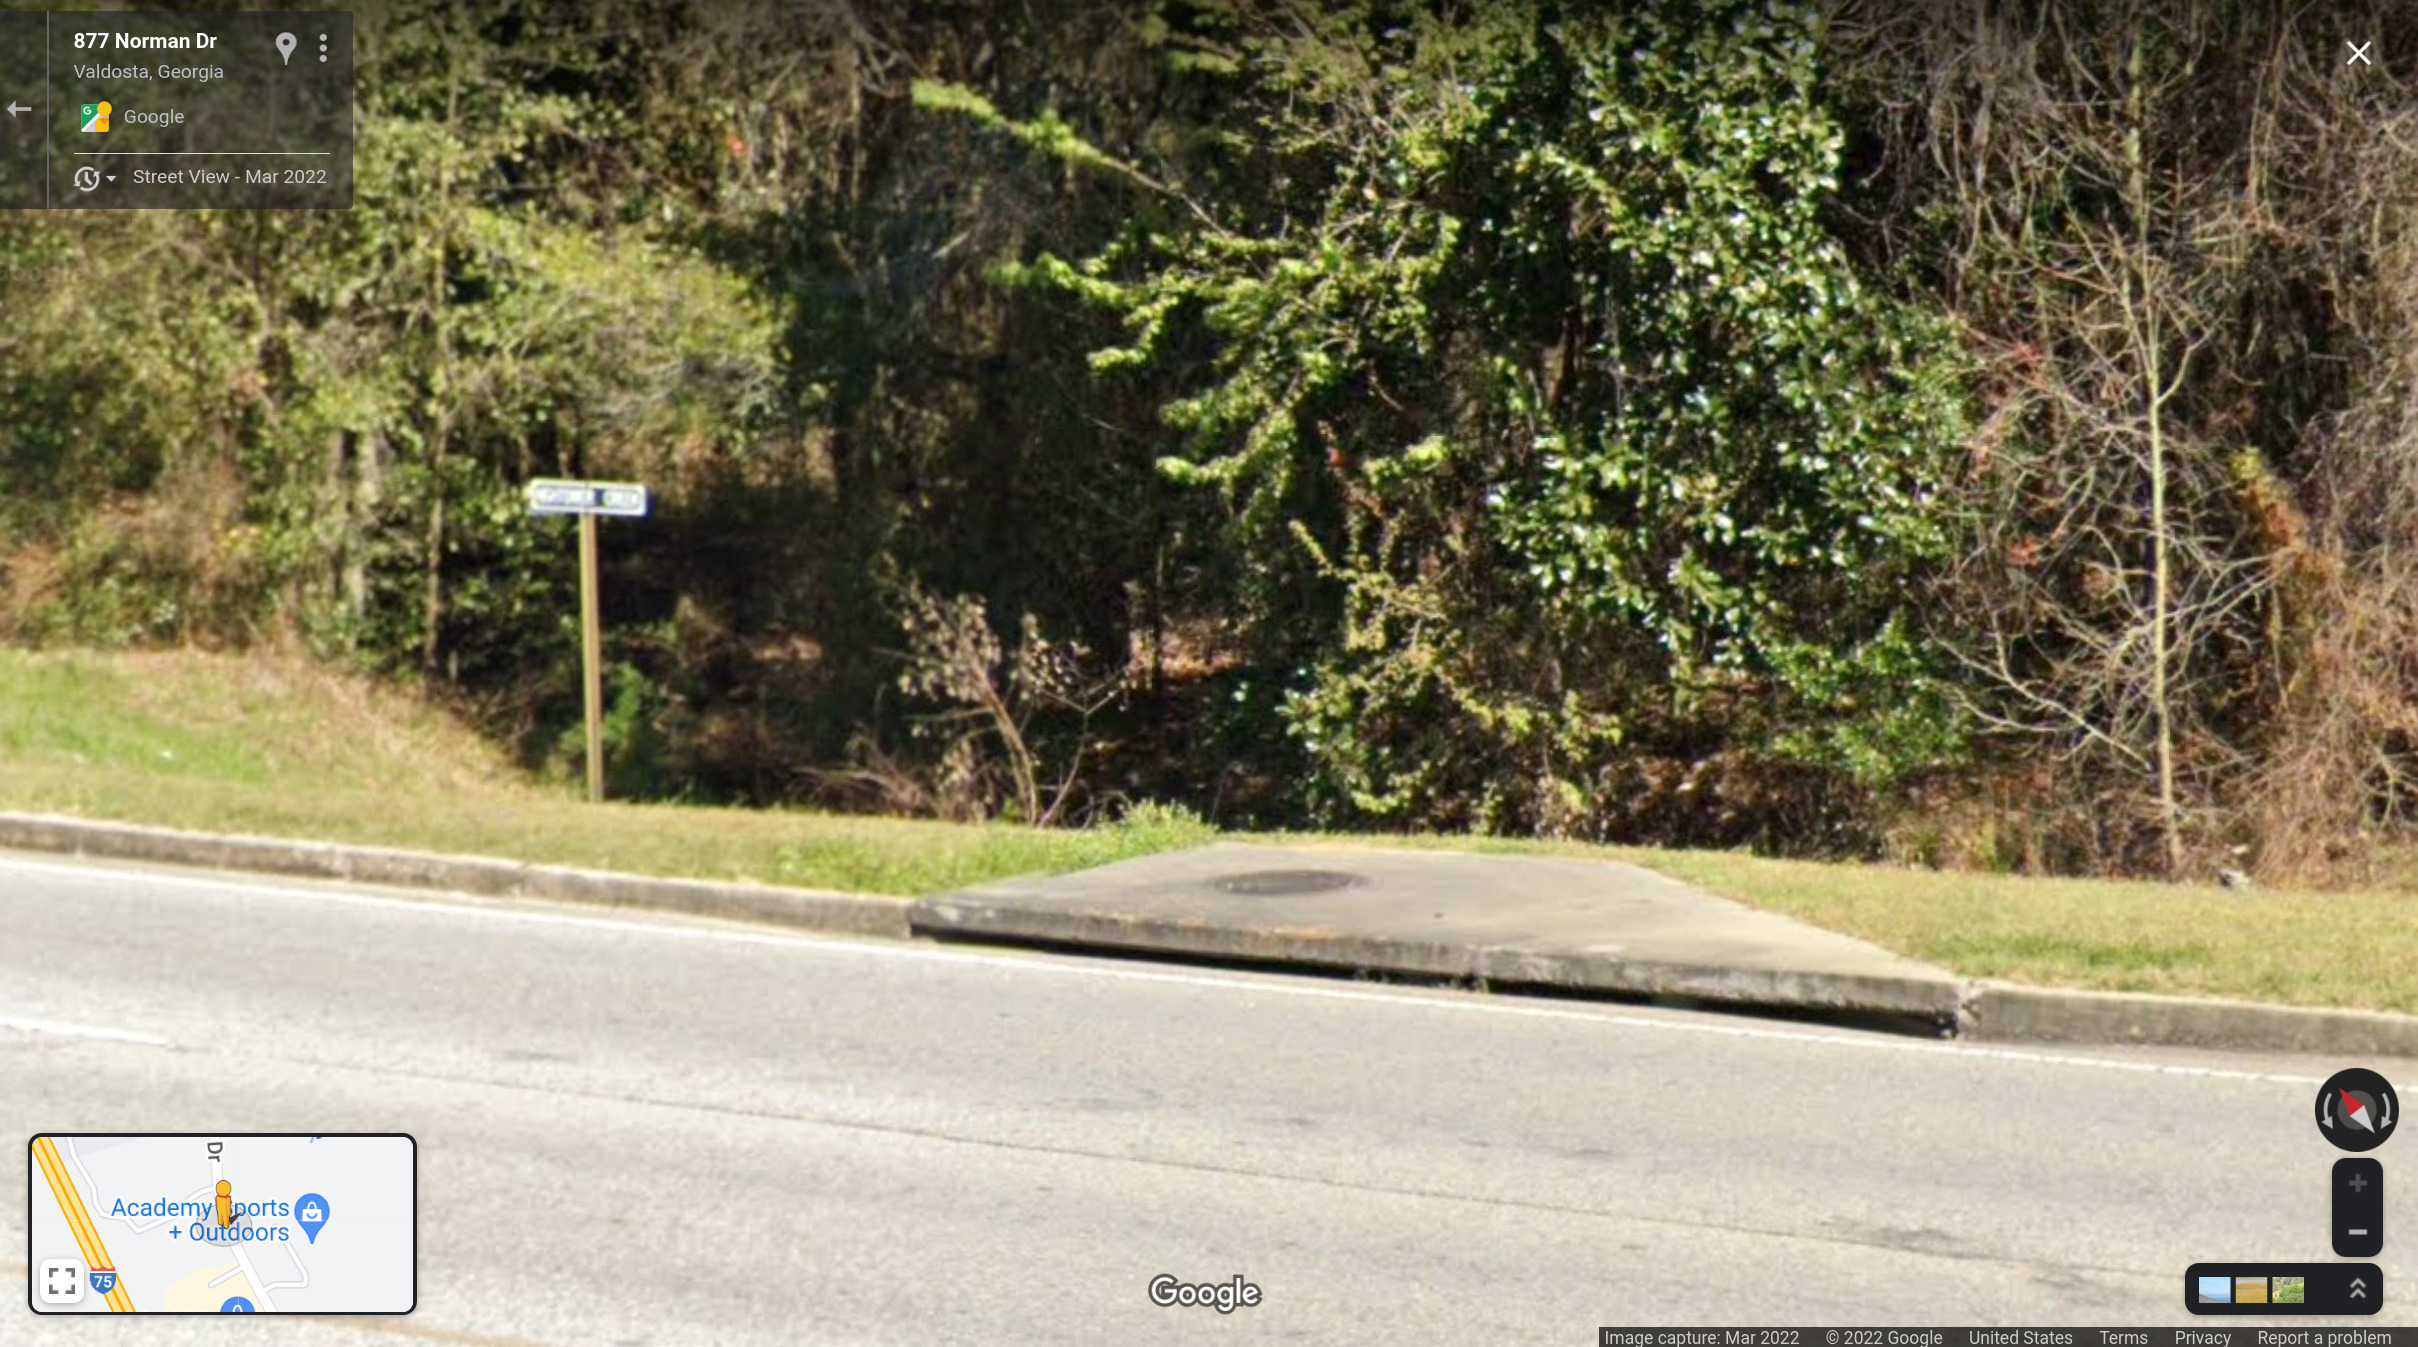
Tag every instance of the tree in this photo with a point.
(1561, 438)
(2123, 207)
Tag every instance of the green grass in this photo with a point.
(279, 748)
(46, 716)
(2292, 947)
(283, 748)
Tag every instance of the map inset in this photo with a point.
(195, 1224)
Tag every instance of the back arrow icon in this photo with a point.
(15, 107)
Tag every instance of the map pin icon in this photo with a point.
(285, 47)
(310, 1212)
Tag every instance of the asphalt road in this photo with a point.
(635, 1131)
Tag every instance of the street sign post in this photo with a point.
(588, 500)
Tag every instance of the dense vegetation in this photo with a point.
(1964, 431)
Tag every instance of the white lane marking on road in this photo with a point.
(58, 1029)
(495, 910)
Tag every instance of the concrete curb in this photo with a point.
(1933, 1002)
(2005, 1011)
(804, 909)
(973, 915)
(1985, 1010)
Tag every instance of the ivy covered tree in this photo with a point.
(1563, 440)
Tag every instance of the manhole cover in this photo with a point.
(1283, 883)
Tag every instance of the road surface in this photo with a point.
(646, 1131)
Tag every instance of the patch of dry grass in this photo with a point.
(279, 747)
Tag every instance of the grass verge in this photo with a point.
(2284, 946)
(284, 748)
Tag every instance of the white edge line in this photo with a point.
(470, 906)
(60, 1030)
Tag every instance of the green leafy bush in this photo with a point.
(1547, 402)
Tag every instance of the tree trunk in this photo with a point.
(432, 605)
(2161, 566)
(432, 608)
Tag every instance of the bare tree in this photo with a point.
(2111, 606)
